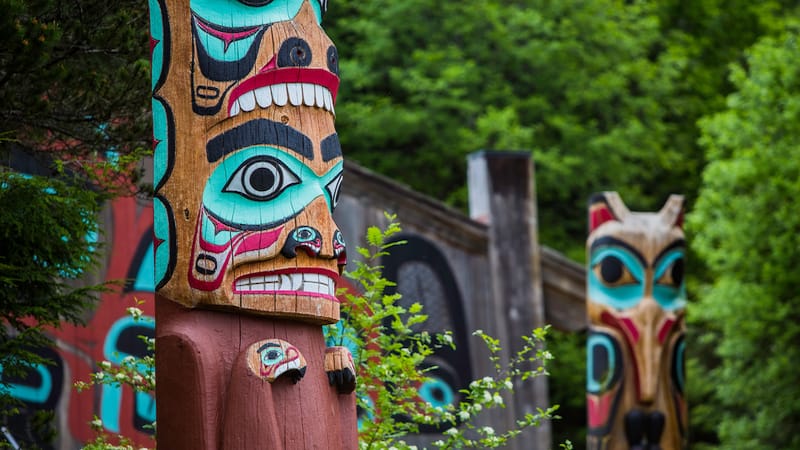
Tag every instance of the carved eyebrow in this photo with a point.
(259, 132)
(331, 148)
(268, 345)
(608, 241)
(676, 244)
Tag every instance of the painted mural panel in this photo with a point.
(110, 334)
(636, 300)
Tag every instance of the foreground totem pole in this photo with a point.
(636, 300)
(247, 172)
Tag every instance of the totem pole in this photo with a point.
(636, 301)
(248, 168)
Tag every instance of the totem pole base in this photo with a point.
(209, 396)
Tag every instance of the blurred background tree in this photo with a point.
(74, 124)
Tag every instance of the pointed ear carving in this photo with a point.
(605, 207)
(672, 211)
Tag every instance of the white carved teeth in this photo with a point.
(281, 94)
(299, 282)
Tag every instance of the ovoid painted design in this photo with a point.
(246, 156)
(636, 300)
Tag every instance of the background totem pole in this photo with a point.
(247, 172)
(636, 300)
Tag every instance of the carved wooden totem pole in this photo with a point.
(247, 172)
(636, 300)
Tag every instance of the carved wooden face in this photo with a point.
(248, 164)
(636, 299)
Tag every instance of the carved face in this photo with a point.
(636, 299)
(248, 162)
(271, 358)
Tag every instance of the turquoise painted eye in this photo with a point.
(261, 178)
(305, 234)
(437, 392)
(271, 356)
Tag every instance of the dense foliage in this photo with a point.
(74, 119)
(74, 85)
(39, 265)
(604, 93)
(747, 231)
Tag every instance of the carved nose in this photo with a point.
(649, 318)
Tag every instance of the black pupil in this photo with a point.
(438, 394)
(272, 354)
(677, 272)
(304, 234)
(256, 2)
(262, 179)
(611, 269)
(600, 366)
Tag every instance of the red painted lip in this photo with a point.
(320, 77)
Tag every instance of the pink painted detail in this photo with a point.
(624, 324)
(663, 332)
(257, 240)
(631, 329)
(218, 225)
(599, 216)
(320, 77)
(153, 43)
(679, 220)
(222, 253)
(599, 408)
(271, 65)
(227, 37)
(631, 333)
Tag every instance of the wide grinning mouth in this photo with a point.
(290, 85)
(314, 283)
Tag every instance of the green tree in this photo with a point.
(74, 85)
(747, 230)
(44, 228)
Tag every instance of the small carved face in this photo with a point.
(271, 358)
(248, 163)
(636, 299)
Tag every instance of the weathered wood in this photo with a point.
(636, 303)
(248, 169)
(502, 193)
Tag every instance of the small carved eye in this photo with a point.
(271, 356)
(333, 60)
(261, 178)
(304, 234)
(294, 52)
(333, 190)
(674, 275)
(612, 271)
